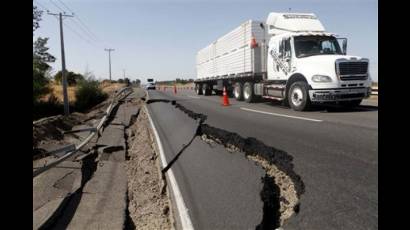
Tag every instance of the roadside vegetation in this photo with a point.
(177, 81)
(84, 91)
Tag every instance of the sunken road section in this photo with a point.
(282, 187)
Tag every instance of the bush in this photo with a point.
(40, 84)
(88, 94)
(51, 107)
(127, 81)
(72, 78)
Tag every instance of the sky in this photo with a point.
(160, 38)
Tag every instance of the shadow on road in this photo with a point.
(341, 109)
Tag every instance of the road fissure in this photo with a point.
(282, 186)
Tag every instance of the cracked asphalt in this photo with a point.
(334, 150)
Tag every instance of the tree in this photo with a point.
(40, 60)
(39, 84)
(127, 81)
(88, 94)
(36, 18)
(40, 55)
(72, 78)
(137, 82)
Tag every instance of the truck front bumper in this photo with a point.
(328, 95)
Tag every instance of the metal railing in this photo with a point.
(124, 92)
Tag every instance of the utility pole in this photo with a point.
(63, 70)
(123, 73)
(109, 59)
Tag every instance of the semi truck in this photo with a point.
(290, 58)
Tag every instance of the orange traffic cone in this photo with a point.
(175, 89)
(225, 100)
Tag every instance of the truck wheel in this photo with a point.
(248, 93)
(198, 89)
(298, 96)
(238, 91)
(350, 104)
(206, 90)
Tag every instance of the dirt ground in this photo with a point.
(49, 131)
(149, 206)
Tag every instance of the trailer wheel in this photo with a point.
(298, 97)
(206, 90)
(238, 91)
(198, 89)
(248, 93)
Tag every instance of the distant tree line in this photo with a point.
(178, 81)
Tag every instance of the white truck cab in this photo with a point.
(299, 48)
(290, 57)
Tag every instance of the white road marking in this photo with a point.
(281, 115)
(193, 97)
(182, 209)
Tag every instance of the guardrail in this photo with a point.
(375, 90)
(124, 92)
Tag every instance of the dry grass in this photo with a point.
(57, 91)
(111, 87)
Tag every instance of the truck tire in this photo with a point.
(351, 104)
(238, 91)
(298, 96)
(206, 90)
(248, 93)
(198, 89)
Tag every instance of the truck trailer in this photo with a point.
(290, 58)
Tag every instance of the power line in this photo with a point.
(82, 27)
(80, 35)
(68, 8)
(81, 21)
(86, 32)
(70, 11)
(77, 33)
(57, 6)
(41, 5)
(95, 36)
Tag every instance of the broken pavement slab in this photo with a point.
(237, 187)
(113, 135)
(103, 200)
(112, 143)
(125, 113)
(52, 189)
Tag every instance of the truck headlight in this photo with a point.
(321, 78)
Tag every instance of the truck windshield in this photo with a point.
(316, 45)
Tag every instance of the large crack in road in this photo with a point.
(282, 186)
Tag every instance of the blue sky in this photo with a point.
(160, 38)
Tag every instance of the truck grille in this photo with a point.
(353, 70)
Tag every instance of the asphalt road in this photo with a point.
(335, 152)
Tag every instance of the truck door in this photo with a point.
(279, 59)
